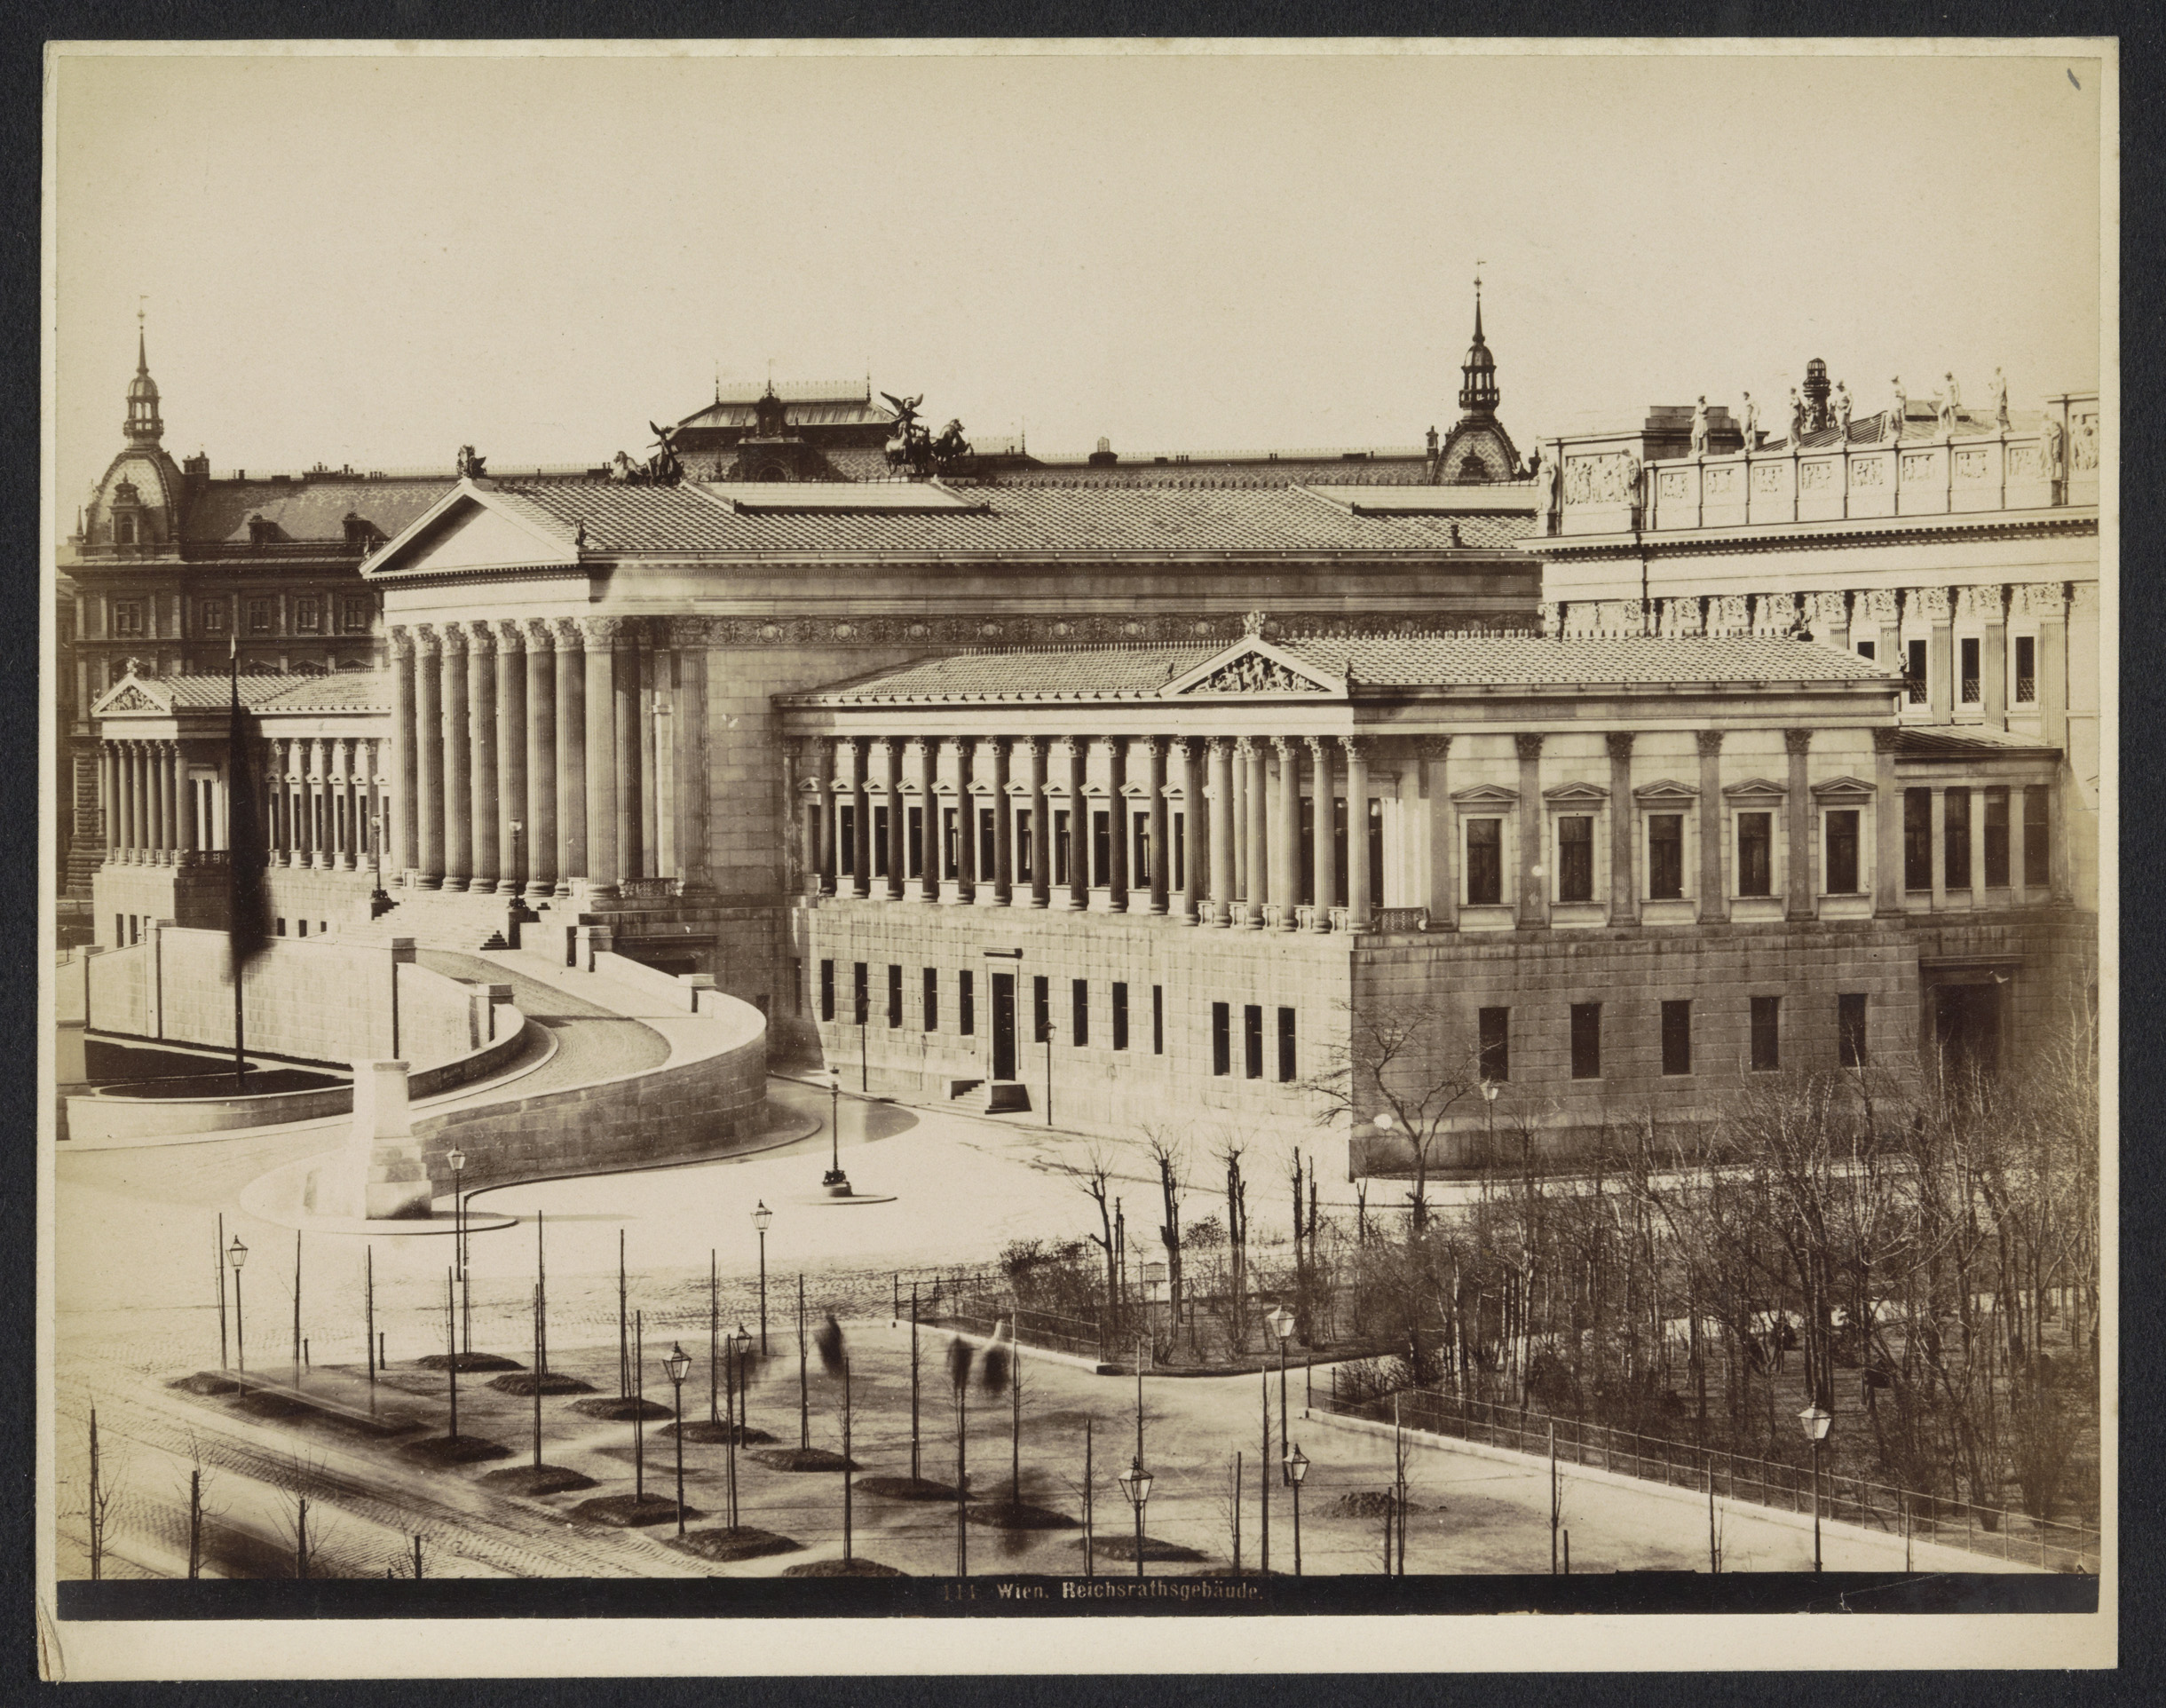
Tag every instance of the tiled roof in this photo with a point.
(271, 692)
(1412, 470)
(1968, 741)
(308, 510)
(1022, 519)
(342, 690)
(1440, 661)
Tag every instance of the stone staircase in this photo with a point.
(459, 921)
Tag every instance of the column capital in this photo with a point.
(1319, 748)
(1359, 747)
(1887, 740)
(1153, 746)
(1877, 604)
(541, 635)
(1797, 741)
(1929, 602)
(2048, 599)
(1529, 746)
(1708, 741)
(1619, 742)
(1180, 747)
(402, 639)
(511, 635)
(481, 637)
(1436, 747)
(601, 631)
(425, 641)
(451, 639)
(1246, 747)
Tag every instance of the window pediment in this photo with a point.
(1576, 794)
(1485, 795)
(1667, 792)
(1844, 788)
(1756, 788)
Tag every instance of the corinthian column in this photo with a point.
(541, 864)
(1161, 848)
(1798, 744)
(427, 871)
(1002, 889)
(1193, 836)
(570, 636)
(630, 858)
(1359, 918)
(512, 736)
(860, 762)
(458, 757)
(1323, 837)
(1286, 834)
(481, 753)
(928, 816)
(399, 858)
(1221, 831)
(1257, 834)
(1041, 827)
(603, 809)
(891, 796)
(693, 638)
(1623, 890)
(1533, 890)
(1079, 824)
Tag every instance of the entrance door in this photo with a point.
(1004, 1026)
(1967, 1027)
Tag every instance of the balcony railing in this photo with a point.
(1402, 919)
(1916, 688)
(2026, 690)
(1971, 690)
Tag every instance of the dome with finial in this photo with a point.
(143, 425)
(1478, 451)
(1478, 394)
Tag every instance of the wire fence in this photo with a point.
(2051, 1544)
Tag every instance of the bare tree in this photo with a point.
(1168, 1149)
(1407, 1061)
(1095, 1175)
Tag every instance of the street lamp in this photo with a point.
(1297, 1469)
(1815, 1422)
(1488, 1120)
(1280, 1322)
(237, 1254)
(1135, 1484)
(678, 1365)
(458, 1241)
(740, 1343)
(836, 1181)
(761, 1217)
(1049, 1031)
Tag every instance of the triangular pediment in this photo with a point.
(1843, 787)
(1576, 794)
(1755, 788)
(1485, 795)
(471, 527)
(129, 695)
(1665, 791)
(1253, 665)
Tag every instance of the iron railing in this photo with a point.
(2051, 1544)
(2026, 690)
(1402, 919)
(1916, 686)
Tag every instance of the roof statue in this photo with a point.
(663, 468)
(472, 466)
(1998, 390)
(1699, 426)
(912, 447)
(1898, 409)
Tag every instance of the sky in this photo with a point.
(375, 258)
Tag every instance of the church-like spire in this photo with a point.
(143, 426)
(1478, 392)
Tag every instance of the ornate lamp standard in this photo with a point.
(740, 1343)
(837, 1181)
(1135, 1484)
(457, 1159)
(1280, 1322)
(1297, 1469)
(678, 1366)
(1815, 1422)
(761, 1217)
(237, 1254)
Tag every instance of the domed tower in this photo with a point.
(1478, 451)
(143, 427)
(137, 504)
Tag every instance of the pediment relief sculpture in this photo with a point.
(1253, 673)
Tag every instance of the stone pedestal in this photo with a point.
(386, 1159)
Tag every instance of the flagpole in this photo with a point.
(233, 853)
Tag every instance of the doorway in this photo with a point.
(1967, 1027)
(1004, 1026)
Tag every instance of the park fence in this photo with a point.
(2051, 1544)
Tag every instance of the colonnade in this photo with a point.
(1207, 829)
(527, 753)
(322, 796)
(150, 807)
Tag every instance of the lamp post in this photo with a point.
(1281, 1324)
(457, 1159)
(237, 1254)
(1815, 1422)
(1135, 1484)
(761, 1217)
(678, 1365)
(1488, 1120)
(1297, 1469)
(1049, 1031)
(740, 1343)
(836, 1181)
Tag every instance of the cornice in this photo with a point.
(1775, 537)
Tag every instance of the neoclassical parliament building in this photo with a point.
(1647, 764)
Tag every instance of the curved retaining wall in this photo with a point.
(711, 1092)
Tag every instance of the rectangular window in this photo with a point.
(131, 926)
(2026, 670)
(1971, 684)
(128, 616)
(1917, 839)
(1221, 1042)
(1139, 849)
(1767, 1033)
(1157, 1019)
(1915, 670)
(1677, 1037)
(1850, 1030)
(894, 994)
(214, 616)
(1665, 857)
(352, 617)
(1252, 1038)
(932, 998)
(951, 848)
(1079, 1003)
(1956, 839)
(2037, 874)
(1484, 861)
(1023, 849)
(826, 990)
(1496, 1034)
(1586, 1040)
(966, 1004)
(860, 993)
(1041, 1010)
(1062, 843)
(1756, 853)
(1375, 852)
(307, 614)
(880, 841)
(259, 616)
(1120, 1017)
(846, 840)
(1866, 649)
(304, 923)
(1180, 877)
(1285, 1047)
(914, 842)
(1997, 838)
(1576, 859)
(988, 854)
(1843, 851)
(1100, 848)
